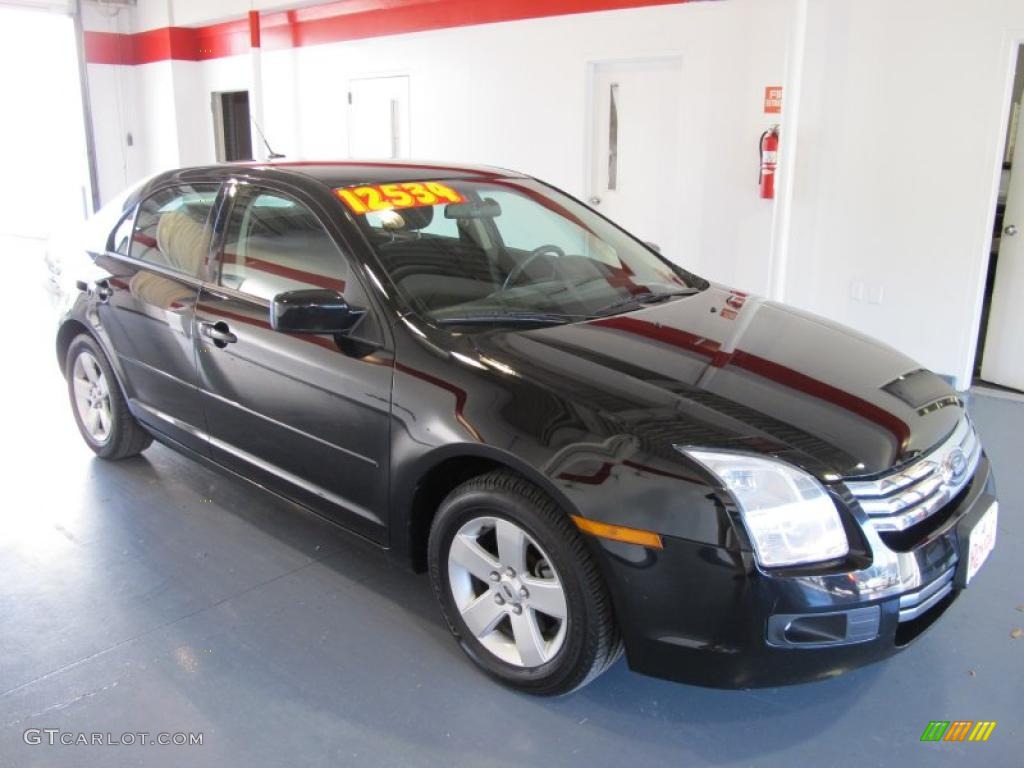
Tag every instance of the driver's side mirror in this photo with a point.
(313, 310)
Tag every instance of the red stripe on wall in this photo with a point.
(216, 41)
(168, 43)
(107, 48)
(254, 29)
(330, 23)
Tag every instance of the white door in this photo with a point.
(635, 141)
(1003, 359)
(378, 124)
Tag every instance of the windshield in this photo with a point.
(506, 250)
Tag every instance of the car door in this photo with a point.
(154, 264)
(305, 414)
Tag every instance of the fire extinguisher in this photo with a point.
(769, 148)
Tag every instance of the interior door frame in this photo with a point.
(376, 76)
(590, 106)
(1012, 42)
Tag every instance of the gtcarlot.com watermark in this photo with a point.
(55, 736)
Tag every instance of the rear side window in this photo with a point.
(275, 244)
(173, 228)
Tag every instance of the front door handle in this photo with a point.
(218, 333)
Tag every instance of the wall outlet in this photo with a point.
(857, 290)
(876, 293)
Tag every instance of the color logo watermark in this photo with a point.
(958, 730)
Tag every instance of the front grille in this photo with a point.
(919, 610)
(904, 498)
(914, 604)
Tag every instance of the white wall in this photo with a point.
(903, 110)
(901, 122)
(112, 96)
(511, 95)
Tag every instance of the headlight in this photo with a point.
(789, 516)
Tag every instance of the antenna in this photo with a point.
(271, 154)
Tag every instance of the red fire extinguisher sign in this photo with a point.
(769, 149)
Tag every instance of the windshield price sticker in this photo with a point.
(386, 197)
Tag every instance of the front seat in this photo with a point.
(422, 265)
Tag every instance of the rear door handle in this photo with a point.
(219, 333)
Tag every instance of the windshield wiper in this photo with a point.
(645, 298)
(500, 316)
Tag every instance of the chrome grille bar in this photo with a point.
(914, 604)
(904, 498)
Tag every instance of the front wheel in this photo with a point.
(518, 587)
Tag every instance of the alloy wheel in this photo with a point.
(92, 397)
(507, 591)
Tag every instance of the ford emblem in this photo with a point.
(954, 466)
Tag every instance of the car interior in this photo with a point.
(446, 275)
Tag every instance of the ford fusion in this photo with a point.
(591, 450)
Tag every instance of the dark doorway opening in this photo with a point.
(231, 126)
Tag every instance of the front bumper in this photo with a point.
(706, 614)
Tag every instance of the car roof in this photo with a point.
(345, 173)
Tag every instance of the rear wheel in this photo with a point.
(99, 407)
(519, 588)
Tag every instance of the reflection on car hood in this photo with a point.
(728, 370)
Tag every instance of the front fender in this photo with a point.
(445, 410)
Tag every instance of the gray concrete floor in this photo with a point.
(155, 595)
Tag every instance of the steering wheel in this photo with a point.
(536, 252)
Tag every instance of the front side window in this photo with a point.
(173, 228)
(275, 244)
(505, 249)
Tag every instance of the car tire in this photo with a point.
(518, 637)
(98, 405)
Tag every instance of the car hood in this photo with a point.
(724, 369)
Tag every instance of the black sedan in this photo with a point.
(590, 449)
